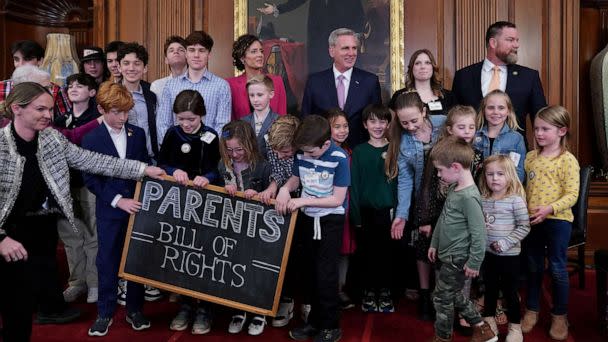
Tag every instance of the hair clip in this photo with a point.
(226, 134)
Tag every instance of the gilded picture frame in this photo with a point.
(247, 19)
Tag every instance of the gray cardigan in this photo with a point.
(55, 156)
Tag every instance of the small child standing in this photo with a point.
(553, 182)
(323, 170)
(372, 198)
(338, 123)
(191, 150)
(507, 224)
(243, 169)
(458, 242)
(498, 130)
(80, 246)
(260, 90)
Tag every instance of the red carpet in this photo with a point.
(400, 326)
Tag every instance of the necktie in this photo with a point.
(341, 91)
(495, 81)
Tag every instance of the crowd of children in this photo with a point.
(452, 186)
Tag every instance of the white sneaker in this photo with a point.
(284, 314)
(256, 326)
(181, 320)
(73, 292)
(237, 323)
(305, 311)
(152, 293)
(92, 295)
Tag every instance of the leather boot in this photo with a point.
(529, 321)
(559, 327)
(483, 333)
(439, 339)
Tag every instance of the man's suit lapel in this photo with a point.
(511, 81)
(331, 87)
(353, 90)
(477, 80)
(130, 142)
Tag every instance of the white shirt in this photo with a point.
(347, 75)
(119, 138)
(486, 76)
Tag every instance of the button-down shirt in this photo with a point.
(486, 76)
(138, 116)
(119, 138)
(347, 76)
(215, 92)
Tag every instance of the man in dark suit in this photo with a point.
(114, 204)
(344, 86)
(499, 71)
(133, 64)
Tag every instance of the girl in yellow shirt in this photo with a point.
(552, 189)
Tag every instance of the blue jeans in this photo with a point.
(551, 236)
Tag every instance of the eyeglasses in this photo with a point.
(234, 150)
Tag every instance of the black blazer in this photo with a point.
(523, 87)
(320, 95)
(151, 100)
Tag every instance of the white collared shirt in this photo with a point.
(119, 138)
(486, 76)
(347, 76)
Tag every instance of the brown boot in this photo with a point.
(529, 321)
(439, 339)
(559, 327)
(483, 333)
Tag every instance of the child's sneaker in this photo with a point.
(256, 326)
(368, 303)
(92, 295)
(202, 322)
(122, 292)
(152, 293)
(100, 326)
(181, 320)
(385, 302)
(284, 314)
(73, 292)
(137, 320)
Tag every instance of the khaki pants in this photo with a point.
(81, 246)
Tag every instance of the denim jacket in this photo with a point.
(411, 166)
(508, 142)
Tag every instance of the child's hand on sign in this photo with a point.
(200, 181)
(282, 199)
(249, 193)
(231, 189)
(129, 205)
(181, 176)
(295, 204)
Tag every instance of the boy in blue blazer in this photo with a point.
(115, 203)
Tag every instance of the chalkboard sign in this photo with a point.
(206, 244)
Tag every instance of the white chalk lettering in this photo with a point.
(240, 275)
(152, 192)
(210, 209)
(254, 210)
(171, 198)
(166, 230)
(194, 199)
(272, 220)
(235, 217)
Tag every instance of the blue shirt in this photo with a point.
(138, 116)
(411, 166)
(215, 92)
(319, 177)
(508, 142)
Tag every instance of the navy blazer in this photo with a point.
(523, 87)
(151, 102)
(270, 118)
(320, 95)
(106, 188)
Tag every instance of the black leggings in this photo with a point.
(502, 273)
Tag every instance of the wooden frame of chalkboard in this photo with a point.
(137, 263)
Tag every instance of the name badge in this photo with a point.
(207, 137)
(515, 157)
(435, 105)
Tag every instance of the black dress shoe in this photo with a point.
(66, 316)
(303, 333)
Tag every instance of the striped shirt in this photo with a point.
(507, 223)
(215, 92)
(319, 176)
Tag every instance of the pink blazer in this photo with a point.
(240, 100)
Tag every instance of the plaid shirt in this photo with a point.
(280, 169)
(62, 103)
